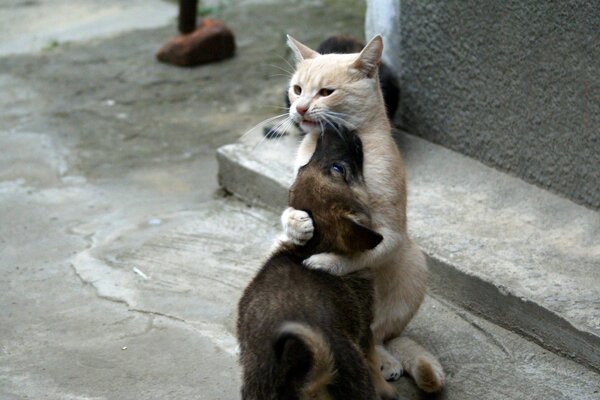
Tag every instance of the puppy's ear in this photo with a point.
(359, 237)
(301, 52)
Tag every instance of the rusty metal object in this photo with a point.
(211, 41)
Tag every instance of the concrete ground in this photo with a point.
(120, 260)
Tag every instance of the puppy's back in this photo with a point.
(299, 330)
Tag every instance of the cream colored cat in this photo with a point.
(344, 88)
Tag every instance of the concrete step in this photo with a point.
(197, 262)
(511, 252)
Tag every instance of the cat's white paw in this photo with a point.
(297, 226)
(326, 262)
(391, 371)
(391, 368)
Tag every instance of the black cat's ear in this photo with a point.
(301, 52)
(358, 236)
(369, 58)
(303, 357)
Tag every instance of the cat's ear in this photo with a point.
(301, 52)
(358, 236)
(369, 58)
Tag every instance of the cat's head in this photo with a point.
(335, 87)
(331, 188)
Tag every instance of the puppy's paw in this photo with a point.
(327, 262)
(297, 226)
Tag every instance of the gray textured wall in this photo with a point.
(515, 84)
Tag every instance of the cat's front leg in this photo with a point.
(330, 262)
(297, 226)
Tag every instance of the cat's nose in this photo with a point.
(301, 110)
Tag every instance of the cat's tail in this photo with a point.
(424, 368)
(306, 355)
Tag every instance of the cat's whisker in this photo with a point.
(270, 133)
(334, 126)
(336, 114)
(289, 73)
(288, 124)
(340, 120)
(288, 63)
(330, 119)
(280, 132)
(260, 142)
(277, 75)
(337, 118)
(322, 128)
(278, 107)
(262, 123)
(281, 127)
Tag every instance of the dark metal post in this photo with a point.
(187, 15)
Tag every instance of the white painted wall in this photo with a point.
(383, 17)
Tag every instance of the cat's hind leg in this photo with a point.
(385, 390)
(420, 364)
(391, 367)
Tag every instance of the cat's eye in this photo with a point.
(297, 90)
(325, 92)
(338, 169)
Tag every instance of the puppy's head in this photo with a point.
(331, 188)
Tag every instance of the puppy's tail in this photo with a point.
(424, 368)
(305, 355)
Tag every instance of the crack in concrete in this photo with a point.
(469, 320)
(149, 327)
(120, 301)
(218, 334)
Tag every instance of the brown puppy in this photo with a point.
(305, 334)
